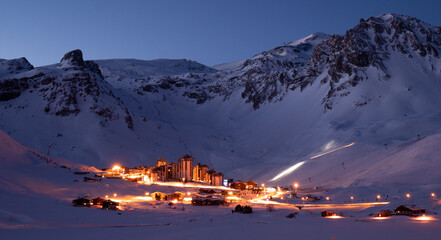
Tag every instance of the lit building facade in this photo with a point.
(185, 168)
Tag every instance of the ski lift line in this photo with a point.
(333, 150)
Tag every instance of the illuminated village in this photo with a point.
(206, 187)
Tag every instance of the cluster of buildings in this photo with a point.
(163, 171)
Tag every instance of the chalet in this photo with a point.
(159, 196)
(176, 196)
(409, 210)
(239, 185)
(98, 201)
(311, 198)
(243, 209)
(82, 202)
(207, 190)
(207, 200)
(250, 184)
(110, 205)
(385, 213)
(328, 214)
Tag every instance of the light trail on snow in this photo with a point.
(333, 150)
(288, 171)
(297, 165)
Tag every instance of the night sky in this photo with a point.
(210, 32)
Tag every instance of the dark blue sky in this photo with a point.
(207, 31)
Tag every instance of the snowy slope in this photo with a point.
(377, 84)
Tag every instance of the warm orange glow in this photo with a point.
(147, 193)
(188, 193)
(115, 195)
(408, 195)
(188, 199)
(378, 196)
(433, 195)
(174, 201)
(296, 185)
(230, 193)
(380, 218)
(232, 198)
(281, 198)
(116, 168)
(327, 198)
(143, 198)
(187, 185)
(334, 217)
(424, 218)
(107, 196)
(263, 184)
(352, 198)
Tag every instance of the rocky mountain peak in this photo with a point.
(14, 66)
(72, 58)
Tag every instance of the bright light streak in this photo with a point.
(380, 218)
(144, 198)
(288, 171)
(188, 199)
(334, 217)
(232, 198)
(333, 150)
(187, 185)
(424, 218)
(297, 165)
(261, 201)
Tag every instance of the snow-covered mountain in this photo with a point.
(378, 86)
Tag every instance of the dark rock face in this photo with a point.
(73, 58)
